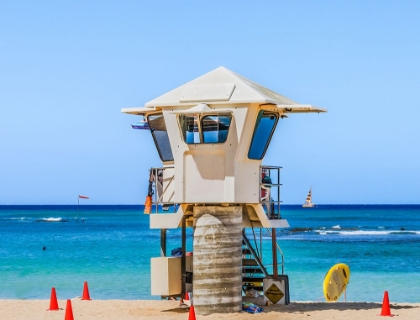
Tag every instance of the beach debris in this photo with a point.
(177, 252)
(53, 301)
(386, 309)
(69, 311)
(191, 315)
(85, 295)
(251, 308)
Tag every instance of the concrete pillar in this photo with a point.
(217, 263)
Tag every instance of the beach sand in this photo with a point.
(153, 309)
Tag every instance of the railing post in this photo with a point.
(183, 258)
(163, 242)
(274, 249)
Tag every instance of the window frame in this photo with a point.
(158, 148)
(257, 122)
(200, 117)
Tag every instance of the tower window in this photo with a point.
(198, 129)
(264, 128)
(160, 136)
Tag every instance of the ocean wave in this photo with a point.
(52, 220)
(327, 232)
(367, 232)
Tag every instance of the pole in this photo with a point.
(78, 203)
(78, 199)
(183, 260)
(163, 242)
(273, 238)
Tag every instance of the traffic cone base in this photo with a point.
(53, 301)
(386, 309)
(69, 311)
(191, 315)
(85, 295)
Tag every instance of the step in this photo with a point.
(252, 279)
(257, 288)
(252, 270)
(249, 262)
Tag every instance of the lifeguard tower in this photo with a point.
(212, 134)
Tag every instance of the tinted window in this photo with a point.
(264, 128)
(204, 129)
(215, 128)
(189, 128)
(160, 136)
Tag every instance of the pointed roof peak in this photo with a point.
(220, 85)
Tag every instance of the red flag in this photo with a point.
(83, 197)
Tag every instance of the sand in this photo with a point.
(163, 309)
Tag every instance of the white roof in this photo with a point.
(221, 86)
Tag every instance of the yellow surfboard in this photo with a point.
(336, 281)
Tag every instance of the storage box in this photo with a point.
(166, 278)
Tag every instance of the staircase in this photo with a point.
(253, 270)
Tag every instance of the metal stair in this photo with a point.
(253, 270)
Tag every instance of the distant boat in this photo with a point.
(308, 202)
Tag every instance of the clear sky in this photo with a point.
(68, 67)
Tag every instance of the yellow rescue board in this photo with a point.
(336, 281)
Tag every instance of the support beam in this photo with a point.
(183, 257)
(217, 264)
(163, 242)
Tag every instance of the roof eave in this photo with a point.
(300, 108)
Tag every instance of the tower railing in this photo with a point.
(161, 188)
(270, 190)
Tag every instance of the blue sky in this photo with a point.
(68, 67)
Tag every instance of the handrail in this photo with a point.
(280, 251)
(157, 199)
(257, 259)
(271, 189)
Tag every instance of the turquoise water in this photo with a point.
(112, 247)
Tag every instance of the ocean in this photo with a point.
(110, 247)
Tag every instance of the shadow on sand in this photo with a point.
(339, 306)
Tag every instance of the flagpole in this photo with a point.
(78, 200)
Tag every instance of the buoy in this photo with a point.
(386, 309)
(86, 295)
(53, 301)
(148, 205)
(69, 311)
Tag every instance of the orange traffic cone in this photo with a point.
(69, 311)
(187, 297)
(191, 315)
(86, 295)
(53, 301)
(386, 310)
